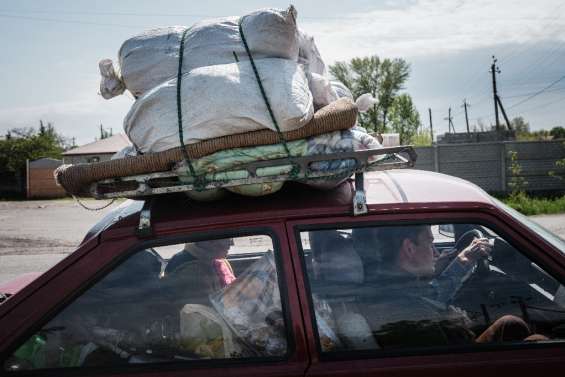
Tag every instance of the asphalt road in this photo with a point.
(34, 235)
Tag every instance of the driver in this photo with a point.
(414, 307)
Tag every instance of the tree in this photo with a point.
(520, 125)
(557, 132)
(382, 78)
(404, 118)
(27, 143)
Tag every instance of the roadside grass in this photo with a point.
(529, 206)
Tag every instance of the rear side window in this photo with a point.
(415, 287)
(211, 299)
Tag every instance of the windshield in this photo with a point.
(553, 239)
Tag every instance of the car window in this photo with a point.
(551, 238)
(208, 299)
(410, 287)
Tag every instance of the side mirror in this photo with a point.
(447, 230)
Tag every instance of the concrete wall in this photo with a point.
(86, 158)
(488, 164)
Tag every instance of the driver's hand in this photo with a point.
(477, 249)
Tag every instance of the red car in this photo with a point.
(436, 278)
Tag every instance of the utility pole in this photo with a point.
(450, 122)
(431, 125)
(465, 105)
(497, 102)
(494, 70)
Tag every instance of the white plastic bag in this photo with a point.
(220, 100)
(365, 101)
(110, 84)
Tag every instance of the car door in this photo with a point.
(206, 301)
(358, 322)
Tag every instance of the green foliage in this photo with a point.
(517, 182)
(535, 206)
(557, 132)
(559, 164)
(534, 136)
(382, 78)
(404, 118)
(22, 144)
(520, 125)
(422, 138)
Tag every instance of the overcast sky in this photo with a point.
(50, 53)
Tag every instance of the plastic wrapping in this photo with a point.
(111, 84)
(326, 325)
(217, 166)
(204, 333)
(251, 306)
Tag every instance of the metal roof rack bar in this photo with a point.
(169, 182)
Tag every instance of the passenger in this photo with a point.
(413, 310)
(198, 270)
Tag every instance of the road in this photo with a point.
(34, 235)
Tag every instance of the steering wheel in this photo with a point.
(483, 266)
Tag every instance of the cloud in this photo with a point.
(429, 27)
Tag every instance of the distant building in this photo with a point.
(100, 150)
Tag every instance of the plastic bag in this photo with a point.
(251, 306)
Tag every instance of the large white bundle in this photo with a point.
(148, 59)
(220, 100)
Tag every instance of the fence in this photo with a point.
(489, 164)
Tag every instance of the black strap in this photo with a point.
(295, 168)
(179, 105)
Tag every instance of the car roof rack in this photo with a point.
(142, 186)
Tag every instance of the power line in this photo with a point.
(537, 93)
(529, 94)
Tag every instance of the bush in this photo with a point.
(535, 206)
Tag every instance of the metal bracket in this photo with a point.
(359, 199)
(144, 226)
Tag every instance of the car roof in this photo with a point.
(420, 186)
(383, 188)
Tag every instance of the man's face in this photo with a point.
(418, 256)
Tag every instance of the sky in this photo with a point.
(50, 52)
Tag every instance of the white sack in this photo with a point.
(220, 100)
(309, 56)
(149, 59)
(322, 90)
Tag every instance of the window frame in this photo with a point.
(490, 219)
(120, 257)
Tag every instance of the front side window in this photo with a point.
(403, 287)
(211, 299)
